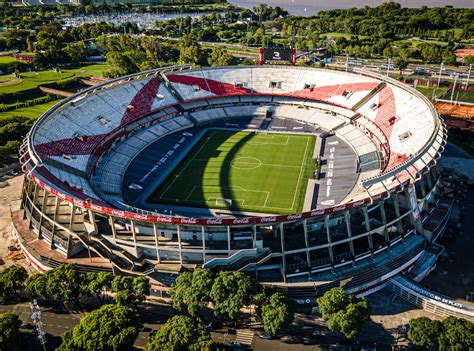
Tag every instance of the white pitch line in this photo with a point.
(186, 165)
(301, 170)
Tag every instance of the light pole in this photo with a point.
(454, 87)
(440, 71)
(36, 317)
(469, 76)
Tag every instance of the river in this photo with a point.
(311, 7)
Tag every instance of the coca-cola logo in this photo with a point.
(96, 208)
(47, 187)
(241, 221)
(294, 216)
(62, 196)
(78, 202)
(118, 213)
(317, 213)
(140, 217)
(339, 208)
(268, 219)
(188, 220)
(358, 203)
(214, 221)
(166, 219)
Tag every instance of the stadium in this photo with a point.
(304, 178)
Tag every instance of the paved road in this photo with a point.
(306, 333)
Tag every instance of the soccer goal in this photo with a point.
(223, 202)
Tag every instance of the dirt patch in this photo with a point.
(8, 82)
(10, 195)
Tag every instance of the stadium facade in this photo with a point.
(378, 207)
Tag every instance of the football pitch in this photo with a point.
(243, 171)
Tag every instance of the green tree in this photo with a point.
(130, 290)
(424, 332)
(277, 314)
(343, 312)
(9, 331)
(65, 283)
(76, 51)
(190, 51)
(191, 291)
(458, 334)
(469, 60)
(181, 333)
(12, 279)
(401, 64)
(230, 292)
(405, 54)
(220, 57)
(95, 283)
(111, 327)
(36, 285)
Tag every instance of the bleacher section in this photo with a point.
(385, 123)
(108, 180)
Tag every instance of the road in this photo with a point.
(306, 333)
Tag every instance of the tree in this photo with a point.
(191, 291)
(9, 330)
(469, 60)
(458, 334)
(95, 283)
(190, 51)
(424, 332)
(220, 57)
(64, 283)
(130, 290)
(230, 292)
(36, 285)
(401, 65)
(277, 314)
(76, 51)
(12, 279)
(181, 333)
(111, 327)
(343, 312)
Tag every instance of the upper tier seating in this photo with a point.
(398, 122)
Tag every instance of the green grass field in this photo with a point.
(30, 80)
(460, 95)
(265, 173)
(32, 112)
(431, 92)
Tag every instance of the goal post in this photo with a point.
(223, 202)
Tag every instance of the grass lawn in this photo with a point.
(31, 112)
(432, 92)
(265, 173)
(336, 35)
(30, 80)
(7, 59)
(460, 95)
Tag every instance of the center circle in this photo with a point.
(246, 162)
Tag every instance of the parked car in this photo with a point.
(265, 336)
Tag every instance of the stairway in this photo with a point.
(245, 336)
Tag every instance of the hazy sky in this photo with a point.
(296, 7)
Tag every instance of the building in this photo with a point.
(91, 158)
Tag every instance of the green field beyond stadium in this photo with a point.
(242, 171)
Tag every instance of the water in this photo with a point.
(311, 7)
(143, 20)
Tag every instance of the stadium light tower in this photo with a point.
(36, 317)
